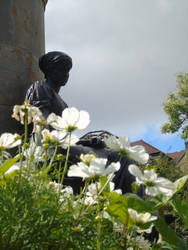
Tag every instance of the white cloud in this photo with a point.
(125, 56)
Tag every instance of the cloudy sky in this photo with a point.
(126, 54)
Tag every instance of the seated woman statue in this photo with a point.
(55, 66)
(45, 95)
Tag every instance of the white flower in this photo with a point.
(34, 152)
(97, 167)
(141, 218)
(70, 139)
(141, 243)
(138, 242)
(57, 187)
(59, 137)
(67, 192)
(13, 168)
(33, 113)
(16, 167)
(89, 200)
(122, 145)
(52, 136)
(8, 140)
(87, 158)
(95, 188)
(71, 120)
(154, 185)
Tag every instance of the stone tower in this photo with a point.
(21, 44)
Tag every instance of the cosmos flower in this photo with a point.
(33, 113)
(97, 167)
(56, 186)
(140, 218)
(140, 243)
(58, 137)
(154, 185)
(16, 167)
(8, 140)
(67, 191)
(95, 188)
(122, 145)
(71, 120)
(87, 158)
(13, 168)
(33, 152)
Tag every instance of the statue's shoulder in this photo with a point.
(34, 86)
(37, 85)
(37, 92)
(38, 88)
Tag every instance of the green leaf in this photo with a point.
(169, 235)
(3, 181)
(103, 181)
(182, 209)
(138, 204)
(7, 164)
(118, 207)
(180, 182)
(157, 201)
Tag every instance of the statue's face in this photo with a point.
(58, 76)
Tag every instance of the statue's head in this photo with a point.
(56, 66)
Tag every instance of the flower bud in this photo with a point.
(26, 145)
(98, 218)
(44, 156)
(59, 157)
(45, 146)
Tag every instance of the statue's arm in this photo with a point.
(38, 96)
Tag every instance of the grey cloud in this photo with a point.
(125, 55)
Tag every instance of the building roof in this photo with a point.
(149, 148)
(177, 156)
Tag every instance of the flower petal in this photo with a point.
(84, 120)
(71, 116)
(79, 170)
(134, 170)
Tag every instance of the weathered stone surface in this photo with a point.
(21, 44)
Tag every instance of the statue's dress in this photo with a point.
(43, 96)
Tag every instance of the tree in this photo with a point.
(176, 107)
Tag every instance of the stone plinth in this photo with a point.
(21, 44)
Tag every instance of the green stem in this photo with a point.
(53, 157)
(124, 234)
(66, 160)
(59, 171)
(26, 127)
(99, 222)
(98, 235)
(83, 193)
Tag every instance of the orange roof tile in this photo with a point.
(177, 155)
(149, 148)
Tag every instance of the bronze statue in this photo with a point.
(56, 66)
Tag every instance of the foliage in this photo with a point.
(165, 167)
(37, 213)
(34, 218)
(176, 108)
